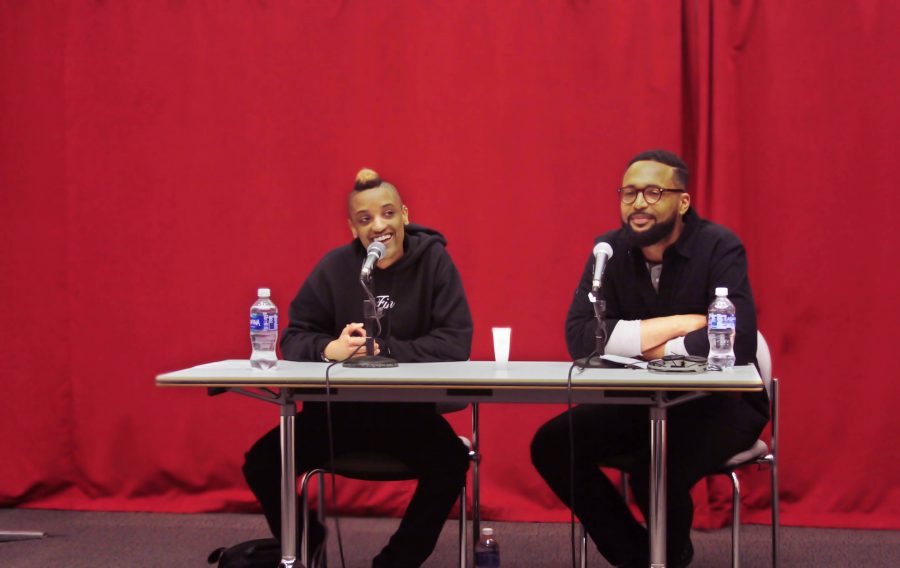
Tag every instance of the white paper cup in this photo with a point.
(501, 343)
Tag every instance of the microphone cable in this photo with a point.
(571, 461)
(599, 333)
(600, 339)
(328, 419)
(330, 430)
(376, 313)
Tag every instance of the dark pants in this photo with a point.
(413, 433)
(701, 436)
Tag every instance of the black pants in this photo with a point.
(413, 433)
(701, 436)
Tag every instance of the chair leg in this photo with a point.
(320, 512)
(583, 546)
(775, 515)
(463, 534)
(304, 497)
(735, 521)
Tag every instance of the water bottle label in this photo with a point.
(261, 322)
(721, 321)
(489, 559)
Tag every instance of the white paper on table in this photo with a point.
(625, 361)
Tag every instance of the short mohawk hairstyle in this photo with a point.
(366, 179)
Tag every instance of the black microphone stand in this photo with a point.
(372, 315)
(594, 361)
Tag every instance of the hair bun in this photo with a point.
(366, 179)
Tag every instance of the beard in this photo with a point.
(659, 231)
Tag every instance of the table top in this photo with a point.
(466, 375)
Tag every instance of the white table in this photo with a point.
(466, 381)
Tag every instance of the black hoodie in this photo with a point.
(426, 316)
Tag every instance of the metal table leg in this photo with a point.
(288, 485)
(476, 490)
(657, 519)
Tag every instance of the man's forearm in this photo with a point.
(655, 332)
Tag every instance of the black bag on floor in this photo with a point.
(257, 553)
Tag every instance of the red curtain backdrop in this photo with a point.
(159, 161)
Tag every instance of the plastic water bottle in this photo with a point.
(487, 552)
(721, 325)
(263, 331)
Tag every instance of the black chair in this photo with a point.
(374, 466)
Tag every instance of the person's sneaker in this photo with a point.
(384, 559)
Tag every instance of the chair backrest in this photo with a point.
(764, 358)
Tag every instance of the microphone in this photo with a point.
(602, 253)
(375, 252)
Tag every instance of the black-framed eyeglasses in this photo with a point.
(651, 193)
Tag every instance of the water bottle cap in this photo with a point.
(722, 291)
(264, 292)
(487, 531)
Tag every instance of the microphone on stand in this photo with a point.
(602, 253)
(373, 255)
(371, 314)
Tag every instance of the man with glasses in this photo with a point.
(666, 264)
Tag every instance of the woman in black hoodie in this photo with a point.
(426, 318)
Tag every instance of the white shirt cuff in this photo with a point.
(625, 339)
(676, 346)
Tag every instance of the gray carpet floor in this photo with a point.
(149, 540)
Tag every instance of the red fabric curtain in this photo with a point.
(160, 161)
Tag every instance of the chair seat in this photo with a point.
(371, 466)
(376, 466)
(758, 450)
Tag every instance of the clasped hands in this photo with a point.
(351, 342)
